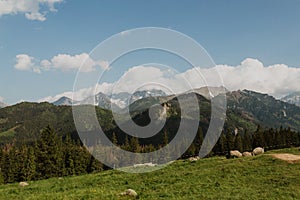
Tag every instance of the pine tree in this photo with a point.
(229, 142)
(165, 138)
(220, 147)
(258, 138)
(114, 139)
(238, 144)
(134, 144)
(199, 136)
(247, 143)
(27, 166)
(49, 154)
(94, 165)
(69, 156)
(126, 144)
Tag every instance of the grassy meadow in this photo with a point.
(260, 177)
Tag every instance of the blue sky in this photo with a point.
(230, 31)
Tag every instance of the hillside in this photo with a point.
(260, 177)
(263, 109)
(246, 109)
(25, 121)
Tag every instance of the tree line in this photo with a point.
(50, 156)
(54, 156)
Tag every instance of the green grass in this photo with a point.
(9, 133)
(260, 177)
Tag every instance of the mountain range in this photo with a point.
(293, 98)
(245, 111)
(118, 101)
(121, 100)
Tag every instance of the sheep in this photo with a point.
(23, 184)
(258, 150)
(235, 154)
(194, 159)
(247, 154)
(129, 192)
(150, 164)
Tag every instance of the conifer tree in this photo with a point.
(49, 157)
(238, 144)
(247, 143)
(229, 142)
(134, 144)
(114, 139)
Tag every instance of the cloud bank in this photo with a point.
(62, 62)
(277, 80)
(32, 9)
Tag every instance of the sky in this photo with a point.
(43, 43)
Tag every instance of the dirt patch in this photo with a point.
(290, 158)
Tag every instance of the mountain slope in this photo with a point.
(264, 109)
(63, 101)
(293, 98)
(25, 121)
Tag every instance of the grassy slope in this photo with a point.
(260, 177)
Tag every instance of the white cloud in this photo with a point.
(1, 99)
(62, 62)
(26, 63)
(35, 16)
(31, 8)
(67, 62)
(277, 80)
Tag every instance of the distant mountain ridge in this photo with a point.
(63, 101)
(117, 101)
(293, 98)
(2, 105)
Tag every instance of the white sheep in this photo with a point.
(129, 192)
(194, 159)
(235, 153)
(150, 164)
(23, 184)
(258, 150)
(247, 154)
